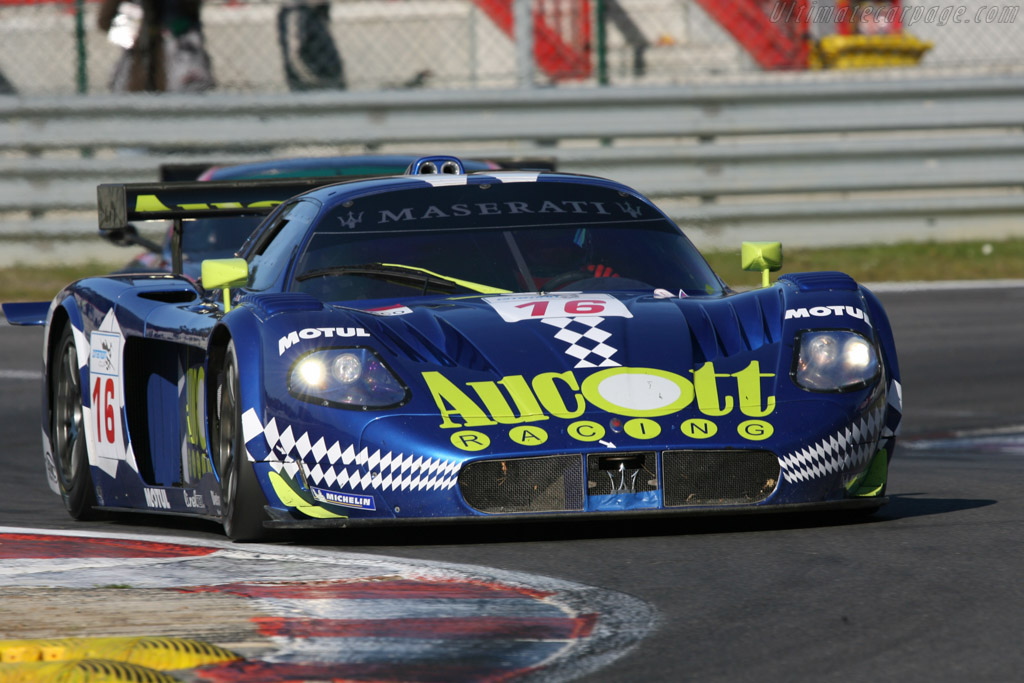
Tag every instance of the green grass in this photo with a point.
(977, 260)
(41, 283)
(901, 262)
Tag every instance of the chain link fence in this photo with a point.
(54, 47)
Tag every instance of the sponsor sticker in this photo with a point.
(105, 395)
(827, 311)
(157, 498)
(293, 338)
(349, 500)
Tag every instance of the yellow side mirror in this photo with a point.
(762, 256)
(225, 273)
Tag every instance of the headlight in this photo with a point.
(834, 360)
(347, 378)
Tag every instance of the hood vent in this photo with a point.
(726, 328)
(820, 282)
(426, 338)
(268, 305)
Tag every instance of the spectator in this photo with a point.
(5, 85)
(310, 55)
(163, 45)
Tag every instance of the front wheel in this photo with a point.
(67, 430)
(242, 500)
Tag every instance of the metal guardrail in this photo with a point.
(714, 156)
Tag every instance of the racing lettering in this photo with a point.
(567, 206)
(293, 338)
(635, 392)
(194, 500)
(157, 498)
(824, 311)
(552, 399)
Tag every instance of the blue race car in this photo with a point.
(444, 346)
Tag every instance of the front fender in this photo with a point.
(242, 327)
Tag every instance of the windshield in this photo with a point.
(515, 237)
(218, 237)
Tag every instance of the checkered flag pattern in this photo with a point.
(586, 341)
(848, 450)
(332, 466)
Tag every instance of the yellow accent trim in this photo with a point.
(871, 482)
(475, 286)
(290, 498)
(149, 202)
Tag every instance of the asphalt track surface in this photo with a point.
(929, 589)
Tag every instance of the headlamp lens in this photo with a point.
(834, 360)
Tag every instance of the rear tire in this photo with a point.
(67, 430)
(242, 499)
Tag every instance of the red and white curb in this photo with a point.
(345, 616)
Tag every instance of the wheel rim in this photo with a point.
(67, 416)
(226, 438)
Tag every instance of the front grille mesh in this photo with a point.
(538, 484)
(718, 477)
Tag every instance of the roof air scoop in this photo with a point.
(436, 166)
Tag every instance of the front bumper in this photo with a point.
(280, 520)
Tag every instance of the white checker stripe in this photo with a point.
(847, 450)
(585, 340)
(331, 466)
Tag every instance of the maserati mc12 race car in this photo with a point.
(447, 346)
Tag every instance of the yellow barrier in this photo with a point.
(82, 671)
(868, 52)
(103, 660)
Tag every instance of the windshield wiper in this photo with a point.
(404, 275)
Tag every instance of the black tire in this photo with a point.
(67, 430)
(242, 500)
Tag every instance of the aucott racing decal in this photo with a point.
(633, 392)
(293, 338)
(826, 311)
(638, 393)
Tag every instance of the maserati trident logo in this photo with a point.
(622, 486)
(633, 211)
(351, 220)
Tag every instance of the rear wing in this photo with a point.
(121, 203)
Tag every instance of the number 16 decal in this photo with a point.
(105, 385)
(517, 307)
(104, 404)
